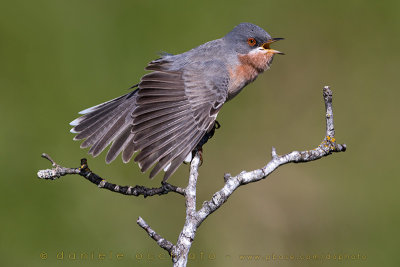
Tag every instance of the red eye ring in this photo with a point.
(251, 41)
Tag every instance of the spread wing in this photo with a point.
(164, 119)
(175, 109)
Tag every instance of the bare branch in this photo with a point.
(195, 218)
(84, 171)
(163, 243)
(179, 252)
(181, 249)
(57, 171)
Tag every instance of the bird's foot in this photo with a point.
(200, 151)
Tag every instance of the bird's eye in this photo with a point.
(251, 41)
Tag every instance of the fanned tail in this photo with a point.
(106, 123)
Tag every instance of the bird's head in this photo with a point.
(252, 41)
(247, 37)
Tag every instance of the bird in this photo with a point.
(174, 107)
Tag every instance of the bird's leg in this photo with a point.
(206, 137)
(200, 151)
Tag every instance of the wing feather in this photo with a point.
(164, 85)
(159, 121)
(119, 144)
(155, 130)
(147, 141)
(151, 154)
(158, 113)
(184, 148)
(158, 106)
(174, 113)
(163, 120)
(129, 150)
(145, 99)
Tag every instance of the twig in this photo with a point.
(57, 171)
(163, 243)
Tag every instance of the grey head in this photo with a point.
(238, 39)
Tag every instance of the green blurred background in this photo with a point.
(59, 57)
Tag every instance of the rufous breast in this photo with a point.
(248, 68)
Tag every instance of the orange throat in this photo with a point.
(250, 65)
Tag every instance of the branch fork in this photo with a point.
(179, 252)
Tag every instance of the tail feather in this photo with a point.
(106, 123)
(110, 135)
(85, 122)
(100, 106)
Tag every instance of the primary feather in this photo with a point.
(163, 120)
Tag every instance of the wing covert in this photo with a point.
(175, 109)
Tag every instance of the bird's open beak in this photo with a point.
(268, 43)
